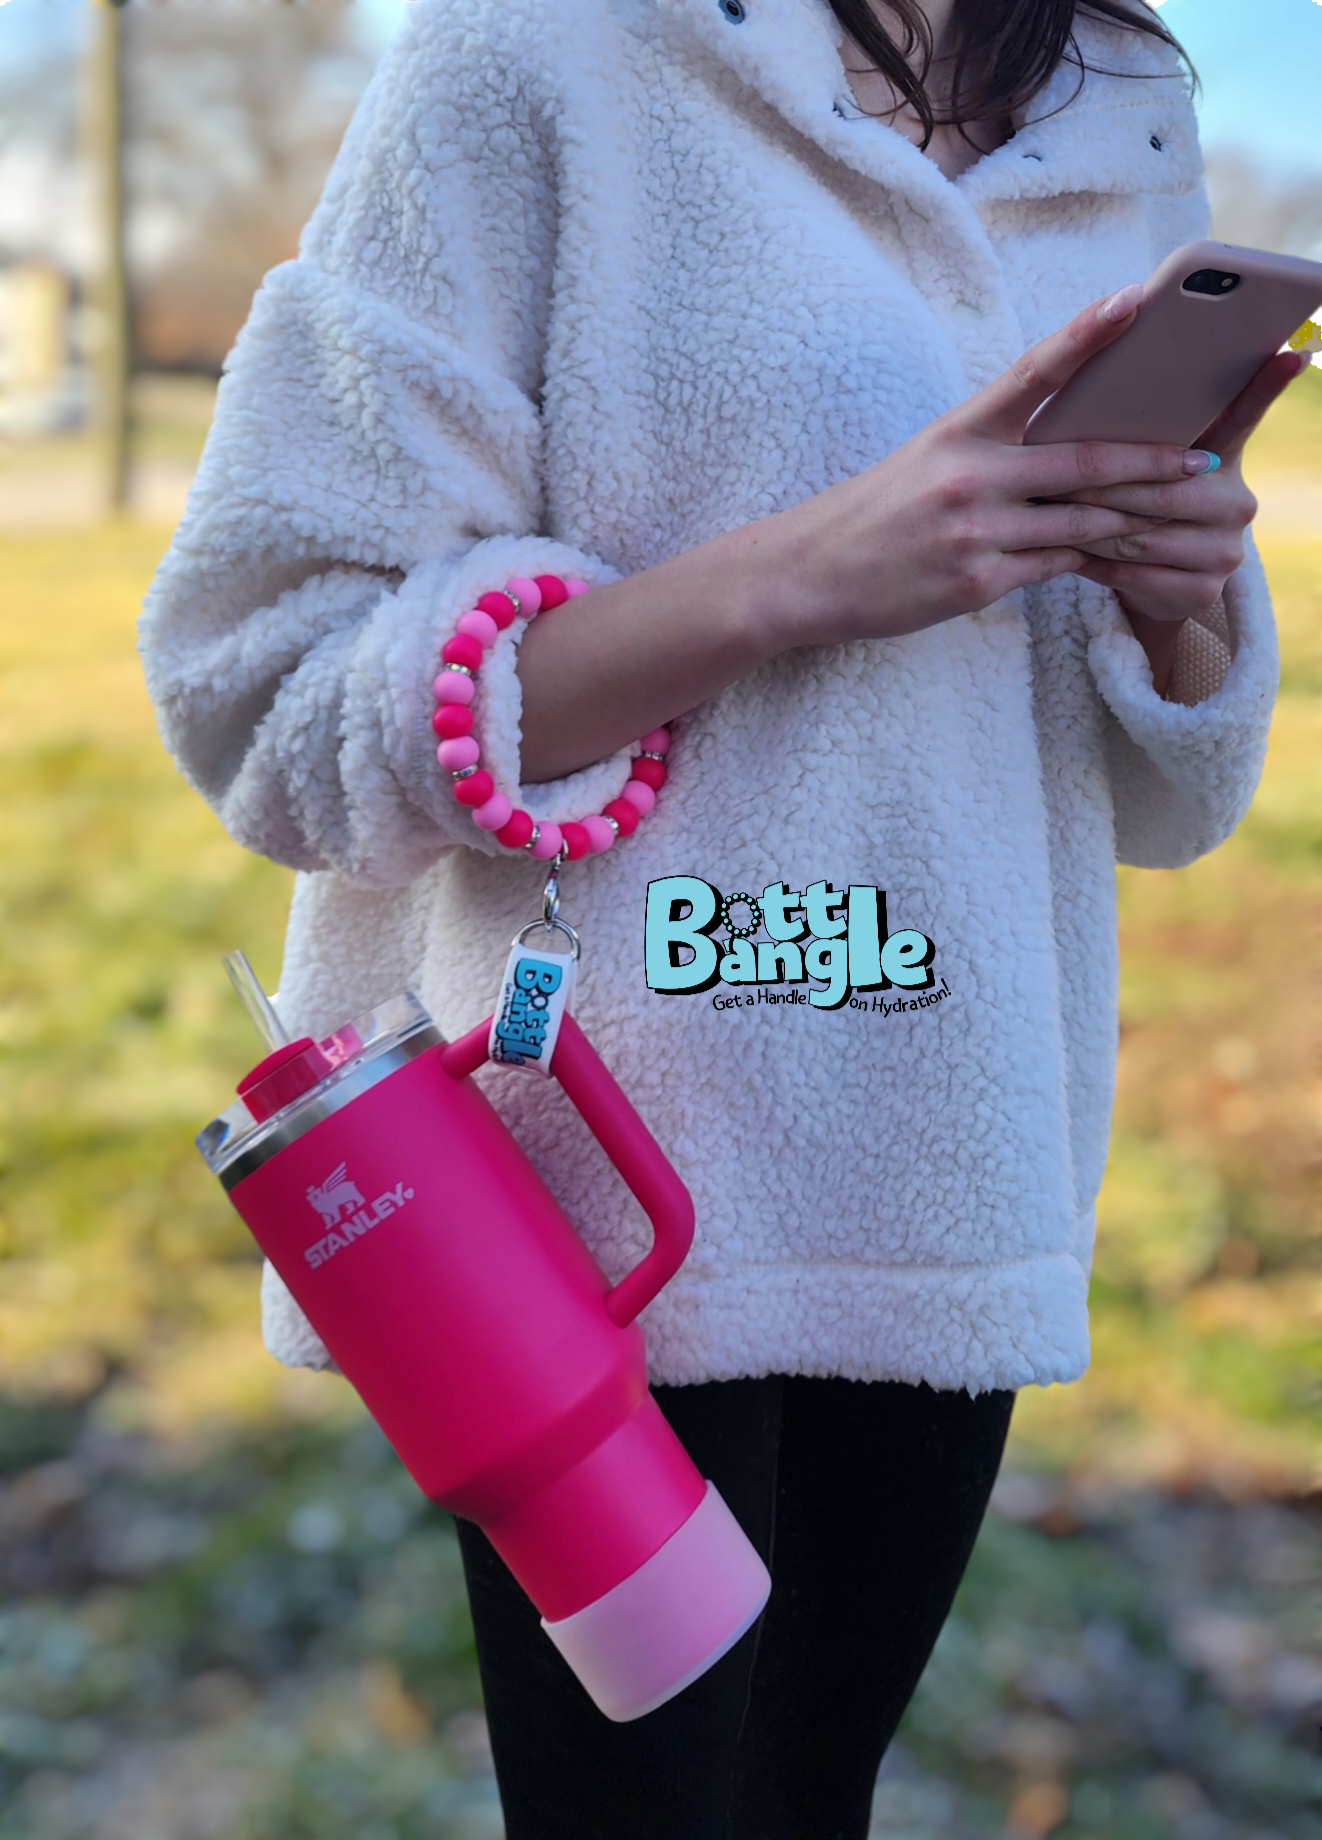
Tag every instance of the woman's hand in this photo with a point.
(1178, 567)
(964, 512)
(945, 525)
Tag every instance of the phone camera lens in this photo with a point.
(1213, 281)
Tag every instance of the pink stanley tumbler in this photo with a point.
(509, 1376)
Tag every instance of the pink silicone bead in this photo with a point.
(495, 814)
(575, 587)
(462, 751)
(548, 842)
(528, 594)
(479, 626)
(658, 742)
(453, 687)
(600, 834)
(640, 795)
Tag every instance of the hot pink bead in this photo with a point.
(453, 687)
(640, 795)
(517, 832)
(658, 742)
(495, 814)
(626, 815)
(451, 719)
(529, 595)
(600, 834)
(475, 790)
(499, 606)
(461, 752)
(552, 591)
(651, 772)
(479, 626)
(548, 842)
(460, 649)
(574, 587)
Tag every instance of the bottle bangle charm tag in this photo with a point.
(537, 989)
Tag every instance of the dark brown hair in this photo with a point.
(1011, 47)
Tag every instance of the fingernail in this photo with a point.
(1121, 305)
(1197, 461)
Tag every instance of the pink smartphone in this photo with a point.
(1210, 317)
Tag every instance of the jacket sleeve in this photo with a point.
(1184, 774)
(1184, 769)
(374, 466)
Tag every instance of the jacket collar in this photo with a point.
(1122, 135)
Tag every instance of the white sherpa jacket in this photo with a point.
(592, 281)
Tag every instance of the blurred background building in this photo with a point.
(40, 386)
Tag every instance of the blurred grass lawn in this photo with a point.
(122, 1267)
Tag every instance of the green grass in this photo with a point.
(275, 1622)
(117, 1249)
(331, 1679)
(1206, 1286)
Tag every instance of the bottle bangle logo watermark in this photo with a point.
(838, 937)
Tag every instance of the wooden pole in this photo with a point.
(104, 141)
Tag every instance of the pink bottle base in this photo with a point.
(662, 1627)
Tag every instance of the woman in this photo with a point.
(648, 292)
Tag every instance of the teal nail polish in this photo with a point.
(1194, 455)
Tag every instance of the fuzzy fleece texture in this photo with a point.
(592, 281)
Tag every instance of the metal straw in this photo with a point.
(254, 999)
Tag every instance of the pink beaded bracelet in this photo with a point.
(458, 752)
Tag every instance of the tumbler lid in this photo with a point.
(288, 1091)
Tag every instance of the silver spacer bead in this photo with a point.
(518, 604)
(464, 773)
(536, 831)
(647, 754)
(611, 821)
(466, 669)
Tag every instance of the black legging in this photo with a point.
(865, 1500)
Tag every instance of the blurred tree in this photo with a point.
(234, 113)
(108, 290)
(237, 111)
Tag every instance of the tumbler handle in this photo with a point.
(628, 1143)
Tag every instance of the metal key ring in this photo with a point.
(551, 892)
(553, 926)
